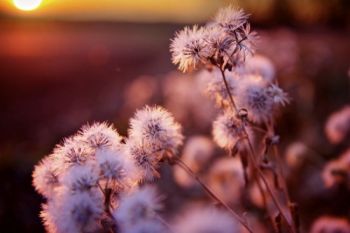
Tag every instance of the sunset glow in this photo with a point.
(112, 10)
(27, 5)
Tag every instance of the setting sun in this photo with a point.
(27, 5)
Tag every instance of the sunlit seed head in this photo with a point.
(228, 131)
(139, 205)
(189, 48)
(157, 128)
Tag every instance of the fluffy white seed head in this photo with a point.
(156, 127)
(234, 22)
(189, 48)
(205, 220)
(259, 65)
(100, 136)
(228, 131)
(116, 166)
(73, 152)
(221, 46)
(137, 206)
(45, 176)
(185, 99)
(216, 88)
(253, 96)
(73, 213)
(81, 178)
(279, 97)
(144, 158)
(231, 18)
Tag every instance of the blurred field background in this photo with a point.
(74, 62)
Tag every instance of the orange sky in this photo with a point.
(127, 10)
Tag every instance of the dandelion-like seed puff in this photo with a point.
(216, 88)
(231, 18)
(252, 96)
(45, 176)
(156, 127)
(117, 167)
(225, 42)
(137, 206)
(228, 131)
(145, 159)
(189, 48)
(72, 213)
(100, 136)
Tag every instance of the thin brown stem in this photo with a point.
(165, 223)
(279, 161)
(268, 188)
(228, 91)
(212, 194)
(265, 207)
(283, 176)
(253, 156)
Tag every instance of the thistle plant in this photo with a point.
(91, 181)
(98, 181)
(248, 100)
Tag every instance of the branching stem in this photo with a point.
(253, 155)
(181, 164)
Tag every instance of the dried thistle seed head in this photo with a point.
(83, 211)
(234, 23)
(220, 46)
(189, 48)
(216, 88)
(228, 131)
(100, 136)
(231, 18)
(258, 65)
(145, 158)
(45, 176)
(278, 95)
(138, 206)
(156, 127)
(73, 213)
(81, 178)
(117, 167)
(252, 95)
(205, 220)
(73, 152)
